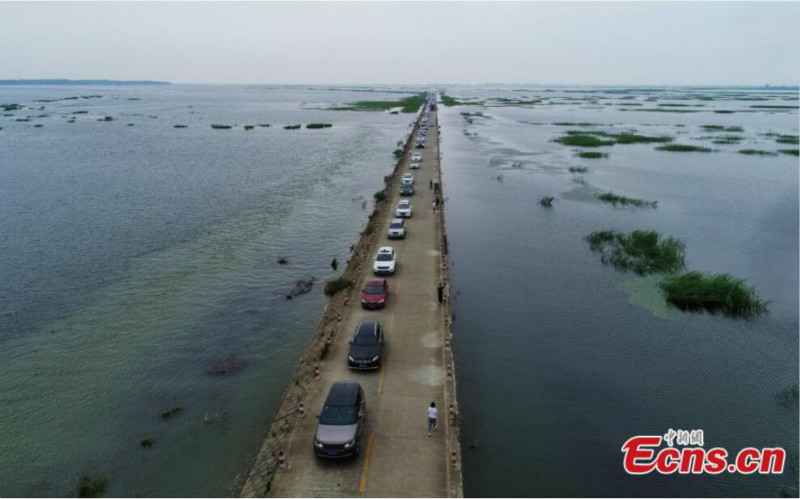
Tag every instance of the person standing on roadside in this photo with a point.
(432, 412)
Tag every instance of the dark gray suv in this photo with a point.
(341, 421)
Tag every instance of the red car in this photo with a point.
(374, 294)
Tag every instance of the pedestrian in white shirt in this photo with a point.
(432, 411)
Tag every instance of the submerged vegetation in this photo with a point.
(714, 293)
(790, 393)
(591, 154)
(589, 138)
(757, 152)
(584, 140)
(410, 104)
(92, 486)
(578, 169)
(683, 148)
(450, 101)
(640, 251)
(614, 199)
(720, 128)
(339, 284)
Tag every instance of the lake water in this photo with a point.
(560, 359)
(136, 259)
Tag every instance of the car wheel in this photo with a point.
(357, 450)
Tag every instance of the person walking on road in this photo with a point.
(431, 185)
(432, 411)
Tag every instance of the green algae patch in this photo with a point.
(695, 291)
(644, 252)
(645, 292)
(683, 148)
(451, 101)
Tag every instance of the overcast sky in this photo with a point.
(739, 43)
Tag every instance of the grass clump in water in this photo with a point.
(792, 152)
(408, 104)
(583, 140)
(336, 285)
(247, 128)
(220, 127)
(614, 199)
(683, 148)
(591, 154)
(788, 139)
(640, 251)
(578, 169)
(398, 153)
(319, 125)
(92, 486)
(380, 197)
(789, 394)
(547, 201)
(292, 127)
(632, 138)
(721, 128)
(450, 101)
(714, 293)
(757, 152)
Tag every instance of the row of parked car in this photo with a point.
(344, 413)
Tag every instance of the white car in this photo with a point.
(416, 157)
(407, 179)
(385, 261)
(403, 209)
(397, 229)
(414, 166)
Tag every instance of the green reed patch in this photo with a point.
(318, 125)
(683, 148)
(644, 252)
(614, 199)
(665, 110)
(757, 152)
(591, 154)
(292, 127)
(632, 138)
(578, 169)
(572, 123)
(787, 139)
(725, 139)
(695, 291)
(451, 101)
(221, 127)
(179, 126)
(768, 106)
(721, 128)
(408, 104)
(584, 140)
(792, 152)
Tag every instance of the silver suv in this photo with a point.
(341, 421)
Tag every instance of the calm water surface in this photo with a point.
(561, 359)
(134, 259)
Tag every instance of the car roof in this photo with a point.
(398, 221)
(375, 282)
(343, 393)
(367, 327)
(385, 249)
(404, 201)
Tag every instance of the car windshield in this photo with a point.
(338, 415)
(374, 289)
(365, 340)
(385, 257)
(402, 205)
(396, 226)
